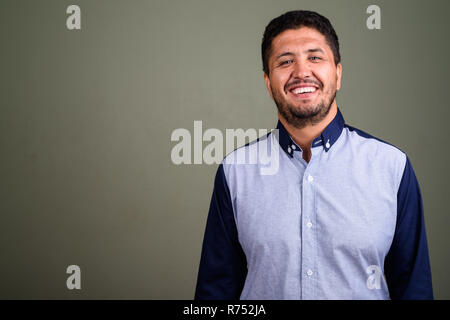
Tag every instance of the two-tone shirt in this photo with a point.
(348, 224)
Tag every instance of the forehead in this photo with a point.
(299, 39)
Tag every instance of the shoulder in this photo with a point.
(366, 140)
(381, 153)
(246, 164)
(251, 153)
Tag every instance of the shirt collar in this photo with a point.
(326, 139)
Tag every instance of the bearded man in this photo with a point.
(342, 218)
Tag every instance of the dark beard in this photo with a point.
(299, 118)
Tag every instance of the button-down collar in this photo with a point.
(326, 139)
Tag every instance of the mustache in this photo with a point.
(306, 81)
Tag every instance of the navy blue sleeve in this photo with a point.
(407, 265)
(223, 266)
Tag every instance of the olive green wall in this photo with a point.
(86, 117)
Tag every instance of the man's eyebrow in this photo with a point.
(288, 53)
(315, 50)
(283, 55)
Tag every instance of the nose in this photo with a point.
(301, 70)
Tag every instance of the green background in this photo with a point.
(86, 118)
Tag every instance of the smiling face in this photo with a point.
(303, 77)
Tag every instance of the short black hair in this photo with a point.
(295, 20)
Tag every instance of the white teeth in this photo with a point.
(304, 89)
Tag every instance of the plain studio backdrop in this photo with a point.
(86, 176)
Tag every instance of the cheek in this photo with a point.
(279, 80)
(327, 76)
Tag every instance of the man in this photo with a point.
(342, 218)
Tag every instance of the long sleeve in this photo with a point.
(407, 265)
(223, 266)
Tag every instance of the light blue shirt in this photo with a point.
(348, 224)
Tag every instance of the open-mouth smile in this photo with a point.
(304, 91)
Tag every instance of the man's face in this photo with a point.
(303, 77)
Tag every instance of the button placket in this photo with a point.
(308, 233)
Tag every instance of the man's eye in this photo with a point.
(286, 62)
(315, 58)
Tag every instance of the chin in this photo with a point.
(306, 110)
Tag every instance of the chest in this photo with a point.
(349, 208)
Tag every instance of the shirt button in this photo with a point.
(310, 178)
(327, 145)
(293, 146)
(309, 272)
(289, 149)
(309, 224)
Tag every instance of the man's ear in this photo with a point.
(338, 76)
(267, 80)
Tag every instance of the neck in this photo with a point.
(304, 137)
